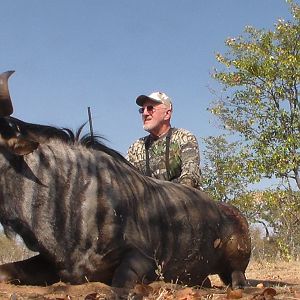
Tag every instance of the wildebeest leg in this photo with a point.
(133, 268)
(35, 270)
(236, 279)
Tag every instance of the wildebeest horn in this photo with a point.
(6, 108)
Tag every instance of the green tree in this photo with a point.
(222, 172)
(260, 79)
(277, 211)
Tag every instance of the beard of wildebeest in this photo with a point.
(92, 217)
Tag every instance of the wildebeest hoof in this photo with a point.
(6, 278)
(238, 280)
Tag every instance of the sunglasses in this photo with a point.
(150, 109)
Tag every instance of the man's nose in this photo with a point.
(145, 111)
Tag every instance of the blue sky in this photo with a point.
(69, 55)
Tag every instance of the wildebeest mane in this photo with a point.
(43, 133)
(93, 141)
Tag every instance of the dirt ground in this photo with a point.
(267, 281)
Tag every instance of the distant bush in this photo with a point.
(270, 248)
(277, 213)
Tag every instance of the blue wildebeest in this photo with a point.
(93, 217)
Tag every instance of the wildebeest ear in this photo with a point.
(21, 146)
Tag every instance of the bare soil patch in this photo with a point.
(279, 280)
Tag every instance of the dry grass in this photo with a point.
(280, 277)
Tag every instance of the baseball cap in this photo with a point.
(157, 97)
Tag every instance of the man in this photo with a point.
(166, 153)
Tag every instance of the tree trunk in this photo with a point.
(297, 177)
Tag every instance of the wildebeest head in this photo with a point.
(10, 136)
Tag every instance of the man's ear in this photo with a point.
(168, 114)
(21, 146)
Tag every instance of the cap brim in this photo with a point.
(140, 100)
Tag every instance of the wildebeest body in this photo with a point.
(96, 218)
(93, 217)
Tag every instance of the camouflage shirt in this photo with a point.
(184, 158)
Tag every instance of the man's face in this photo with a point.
(153, 115)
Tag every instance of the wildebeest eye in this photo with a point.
(15, 127)
(8, 129)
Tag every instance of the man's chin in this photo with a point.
(147, 128)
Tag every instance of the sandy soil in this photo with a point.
(267, 281)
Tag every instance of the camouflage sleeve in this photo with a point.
(130, 154)
(190, 160)
(134, 152)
